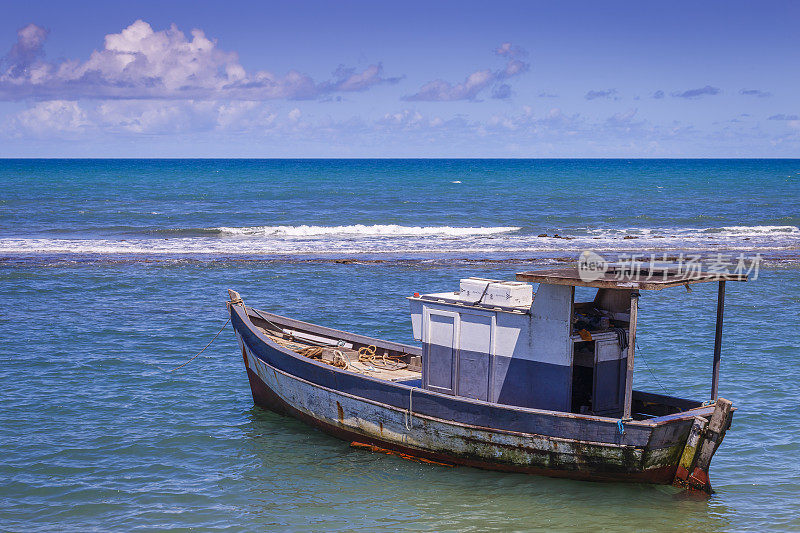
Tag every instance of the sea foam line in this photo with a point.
(362, 230)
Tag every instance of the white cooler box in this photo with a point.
(496, 292)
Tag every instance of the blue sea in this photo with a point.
(114, 272)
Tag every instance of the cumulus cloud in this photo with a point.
(608, 93)
(409, 119)
(511, 51)
(623, 119)
(349, 79)
(47, 119)
(502, 91)
(28, 49)
(708, 90)
(154, 117)
(475, 83)
(529, 123)
(69, 118)
(545, 131)
(140, 63)
(755, 92)
(244, 116)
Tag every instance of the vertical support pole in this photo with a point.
(718, 341)
(626, 414)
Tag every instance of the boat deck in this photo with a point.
(370, 362)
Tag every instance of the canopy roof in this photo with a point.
(625, 277)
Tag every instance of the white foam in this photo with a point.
(378, 239)
(377, 230)
(760, 230)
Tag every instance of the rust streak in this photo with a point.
(373, 448)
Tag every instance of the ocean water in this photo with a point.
(112, 273)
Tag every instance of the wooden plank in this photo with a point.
(690, 451)
(571, 276)
(711, 441)
(679, 403)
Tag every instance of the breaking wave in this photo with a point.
(338, 241)
(754, 230)
(361, 230)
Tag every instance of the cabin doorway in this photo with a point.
(598, 377)
(583, 377)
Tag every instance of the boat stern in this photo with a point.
(705, 436)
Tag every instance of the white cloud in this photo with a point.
(140, 63)
(475, 83)
(67, 118)
(27, 50)
(46, 119)
(551, 130)
(409, 119)
(154, 117)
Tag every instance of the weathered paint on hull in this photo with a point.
(358, 419)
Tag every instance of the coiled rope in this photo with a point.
(201, 351)
(368, 356)
(312, 352)
(341, 360)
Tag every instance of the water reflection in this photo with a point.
(299, 472)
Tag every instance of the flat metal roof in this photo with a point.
(616, 277)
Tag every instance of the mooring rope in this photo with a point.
(201, 351)
(647, 366)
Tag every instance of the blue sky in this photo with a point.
(410, 79)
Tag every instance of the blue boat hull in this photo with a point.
(420, 423)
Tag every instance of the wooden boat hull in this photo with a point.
(447, 429)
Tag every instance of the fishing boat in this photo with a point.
(506, 378)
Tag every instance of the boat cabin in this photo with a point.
(501, 342)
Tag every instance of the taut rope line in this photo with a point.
(201, 351)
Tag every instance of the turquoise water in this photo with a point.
(101, 296)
